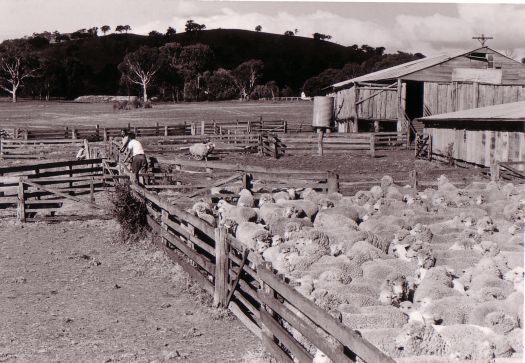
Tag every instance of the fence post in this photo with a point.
(494, 171)
(429, 148)
(166, 130)
(412, 177)
(73, 133)
(203, 126)
(320, 134)
(267, 335)
(163, 226)
(21, 210)
(86, 149)
(372, 145)
(91, 191)
(193, 129)
(97, 131)
(285, 125)
(105, 134)
(332, 182)
(220, 293)
(157, 132)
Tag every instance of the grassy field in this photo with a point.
(46, 114)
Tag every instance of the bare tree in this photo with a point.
(246, 75)
(16, 64)
(509, 53)
(140, 67)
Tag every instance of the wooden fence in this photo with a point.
(330, 143)
(37, 149)
(239, 280)
(39, 190)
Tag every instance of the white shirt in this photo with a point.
(135, 148)
(124, 141)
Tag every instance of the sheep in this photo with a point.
(515, 276)
(235, 213)
(346, 211)
(414, 315)
(201, 151)
(449, 310)
(379, 268)
(324, 221)
(418, 339)
(487, 286)
(246, 199)
(254, 236)
(475, 343)
(374, 317)
(281, 195)
(436, 284)
(270, 212)
(478, 316)
(283, 225)
(203, 210)
(265, 199)
(347, 269)
(396, 284)
(309, 208)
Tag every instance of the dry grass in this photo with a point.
(130, 212)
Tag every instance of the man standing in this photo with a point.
(138, 158)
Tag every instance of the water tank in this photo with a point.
(323, 111)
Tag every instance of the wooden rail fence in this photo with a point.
(239, 280)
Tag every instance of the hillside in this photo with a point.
(90, 64)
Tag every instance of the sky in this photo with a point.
(428, 28)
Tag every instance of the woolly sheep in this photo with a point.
(309, 208)
(449, 310)
(265, 199)
(397, 285)
(284, 226)
(326, 222)
(346, 211)
(436, 285)
(471, 342)
(379, 268)
(347, 270)
(246, 199)
(235, 213)
(254, 236)
(201, 151)
(515, 276)
(374, 317)
(419, 339)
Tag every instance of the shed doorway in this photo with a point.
(414, 104)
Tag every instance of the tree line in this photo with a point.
(164, 69)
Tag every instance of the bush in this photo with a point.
(130, 212)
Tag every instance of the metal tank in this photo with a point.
(323, 111)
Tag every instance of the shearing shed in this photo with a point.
(390, 99)
(479, 136)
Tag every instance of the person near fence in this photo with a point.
(139, 163)
(125, 139)
(81, 154)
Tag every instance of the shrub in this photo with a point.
(130, 212)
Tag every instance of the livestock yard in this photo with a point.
(276, 243)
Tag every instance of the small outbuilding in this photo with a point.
(391, 99)
(479, 136)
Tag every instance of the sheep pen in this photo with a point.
(404, 268)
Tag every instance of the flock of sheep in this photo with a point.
(432, 276)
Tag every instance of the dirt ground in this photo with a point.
(70, 293)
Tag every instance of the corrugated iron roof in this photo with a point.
(404, 69)
(514, 111)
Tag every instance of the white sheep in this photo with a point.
(515, 276)
(246, 199)
(201, 151)
(235, 213)
(309, 207)
(254, 236)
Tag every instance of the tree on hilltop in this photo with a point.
(17, 63)
(170, 31)
(258, 28)
(127, 28)
(289, 33)
(105, 29)
(192, 26)
(119, 28)
(140, 67)
(320, 36)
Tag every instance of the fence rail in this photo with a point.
(239, 280)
